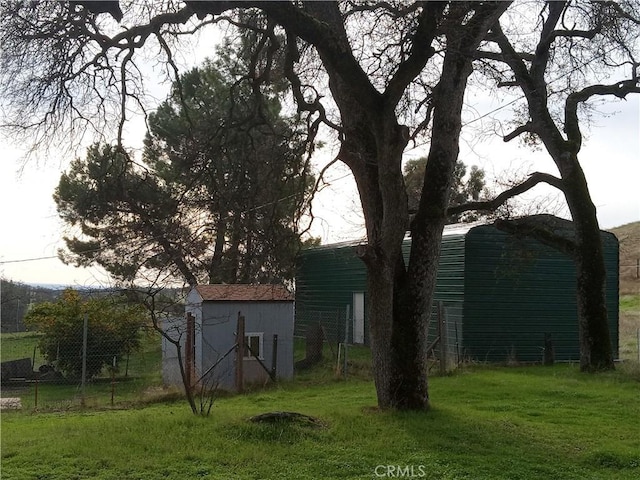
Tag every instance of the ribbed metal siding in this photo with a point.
(328, 276)
(449, 290)
(517, 289)
(450, 280)
(501, 293)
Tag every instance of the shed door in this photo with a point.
(358, 317)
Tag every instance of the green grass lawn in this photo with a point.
(630, 303)
(14, 346)
(485, 423)
(629, 326)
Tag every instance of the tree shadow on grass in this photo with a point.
(501, 444)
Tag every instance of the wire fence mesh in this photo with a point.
(92, 367)
(79, 373)
(86, 366)
(444, 334)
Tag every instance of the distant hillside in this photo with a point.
(16, 298)
(629, 237)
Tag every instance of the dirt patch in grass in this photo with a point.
(10, 403)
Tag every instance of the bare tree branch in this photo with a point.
(547, 36)
(621, 11)
(571, 122)
(492, 205)
(395, 11)
(421, 51)
(540, 227)
(314, 106)
(528, 127)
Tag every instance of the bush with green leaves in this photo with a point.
(113, 331)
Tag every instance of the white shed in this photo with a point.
(214, 314)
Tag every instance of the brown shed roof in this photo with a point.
(244, 293)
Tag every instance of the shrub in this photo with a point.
(113, 330)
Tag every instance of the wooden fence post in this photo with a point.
(442, 333)
(240, 355)
(189, 354)
(346, 341)
(274, 358)
(549, 354)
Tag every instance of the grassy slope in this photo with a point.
(629, 238)
(490, 423)
(19, 345)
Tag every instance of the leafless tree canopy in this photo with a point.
(566, 53)
(68, 72)
(70, 69)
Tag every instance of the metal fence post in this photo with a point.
(85, 329)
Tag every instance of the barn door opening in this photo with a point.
(358, 317)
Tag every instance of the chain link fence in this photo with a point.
(85, 368)
(334, 324)
(79, 370)
(336, 327)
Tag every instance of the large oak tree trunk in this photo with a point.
(386, 212)
(595, 342)
(596, 351)
(372, 145)
(401, 296)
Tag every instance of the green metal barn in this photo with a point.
(501, 294)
